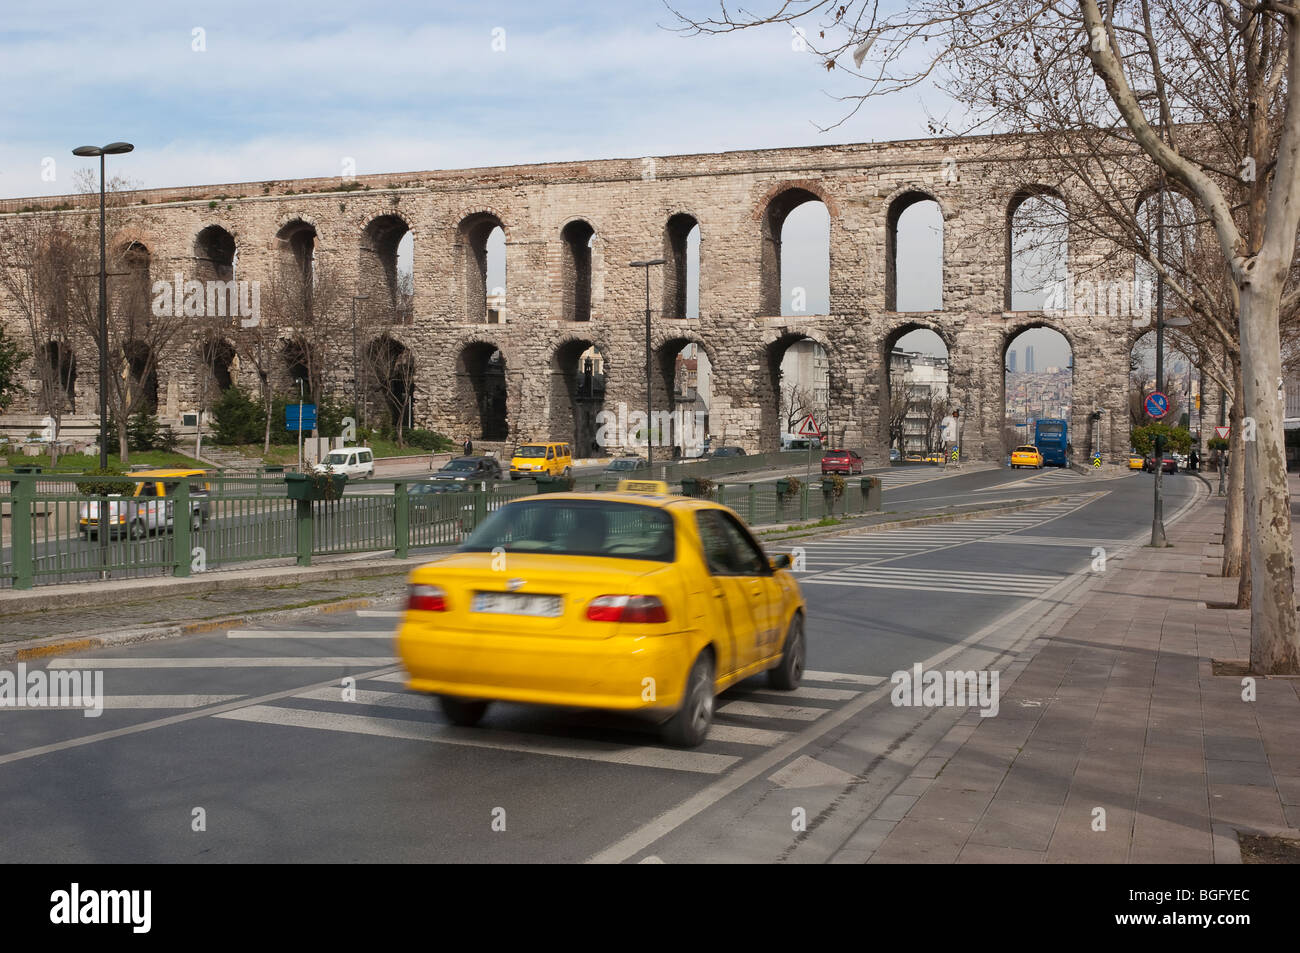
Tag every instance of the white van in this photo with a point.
(357, 463)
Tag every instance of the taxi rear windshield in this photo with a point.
(531, 452)
(577, 528)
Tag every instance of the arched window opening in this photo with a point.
(1038, 385)
(482, 239)
(918, 397)
(795, 265)
(382, 272)
(1038, 250)
(681, 272)
(914, 254)
(575, 277)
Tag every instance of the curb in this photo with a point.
(62, 644)
(132, 590)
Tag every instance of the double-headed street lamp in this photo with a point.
(649, 388)
(112, 149)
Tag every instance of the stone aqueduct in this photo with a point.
(560, 299)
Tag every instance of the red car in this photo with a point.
(846, 462)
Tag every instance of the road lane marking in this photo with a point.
(379, 613)
(268, 662)
(141, 702)
(113, 733)
(672, 759)
(740, 735)
(411, 702)
(768, 710)
(843, 677)
(304, 634)
(815, 694)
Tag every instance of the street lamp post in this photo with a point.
(112, 149)
(649, 388)
(1158, 537)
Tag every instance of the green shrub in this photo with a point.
(238, 418)
(100, 487)
(144, 433)
(1173, 438)
(427, 440)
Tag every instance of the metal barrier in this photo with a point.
(53, 533)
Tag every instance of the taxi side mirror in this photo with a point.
(781, 561)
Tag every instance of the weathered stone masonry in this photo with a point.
(638, 209)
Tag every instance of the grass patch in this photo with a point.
(81, 462)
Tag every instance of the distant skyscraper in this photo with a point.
(1029, 359)
(1011, 362)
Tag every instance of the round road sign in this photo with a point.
(1157, 405)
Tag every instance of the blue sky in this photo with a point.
(289, 89)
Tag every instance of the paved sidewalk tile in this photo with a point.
(1115, 741)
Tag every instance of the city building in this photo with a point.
(924, 378)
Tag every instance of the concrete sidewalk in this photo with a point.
(1117, 710)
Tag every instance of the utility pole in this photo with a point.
(649, 375)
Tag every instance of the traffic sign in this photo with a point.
(955, 454)
(808, 428)
(308, 417)
(1222, 432)
(1157, 405)
(1096, 461)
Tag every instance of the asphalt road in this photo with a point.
(249, 729)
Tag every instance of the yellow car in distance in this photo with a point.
(633, 601)
(933, 458)
(1026, 456)
(541, 457)
(1135, 460)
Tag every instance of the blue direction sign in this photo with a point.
(1157, 405)
(308, 417)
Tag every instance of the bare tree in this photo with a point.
(392, 366)
(1124, 97)
(796, 404)
(898, 405)
(39, 262)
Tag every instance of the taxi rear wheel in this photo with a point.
(462, 712)
(786, 676)
(689, 727)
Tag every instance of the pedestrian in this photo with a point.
(1195, 459)
(469, 447)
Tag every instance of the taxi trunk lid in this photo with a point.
(489, 593)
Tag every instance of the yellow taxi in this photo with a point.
(933, 458)
(634, 601)
(1135, 460)
(534, 459)
(913, 458)
(150, 507)
(1026, 456)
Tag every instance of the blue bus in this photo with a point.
(1051, 437)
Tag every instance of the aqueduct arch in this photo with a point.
(574, 226)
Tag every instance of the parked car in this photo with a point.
(356, 463)
(150, 507)
(846, 462)
(728, 452)
(1169, 465)
(625, 465)
(469, 469)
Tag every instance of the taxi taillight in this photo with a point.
(626, 609)
(426, 598)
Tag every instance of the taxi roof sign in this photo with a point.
(644, 486)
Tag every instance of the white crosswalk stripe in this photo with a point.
(306, 634)
(753, 718)
(938, 580)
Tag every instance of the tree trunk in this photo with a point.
(1274, 635)
(1234, 527)
(123, 451)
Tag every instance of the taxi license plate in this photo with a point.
(516, 603)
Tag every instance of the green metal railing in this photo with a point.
(52, 532)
